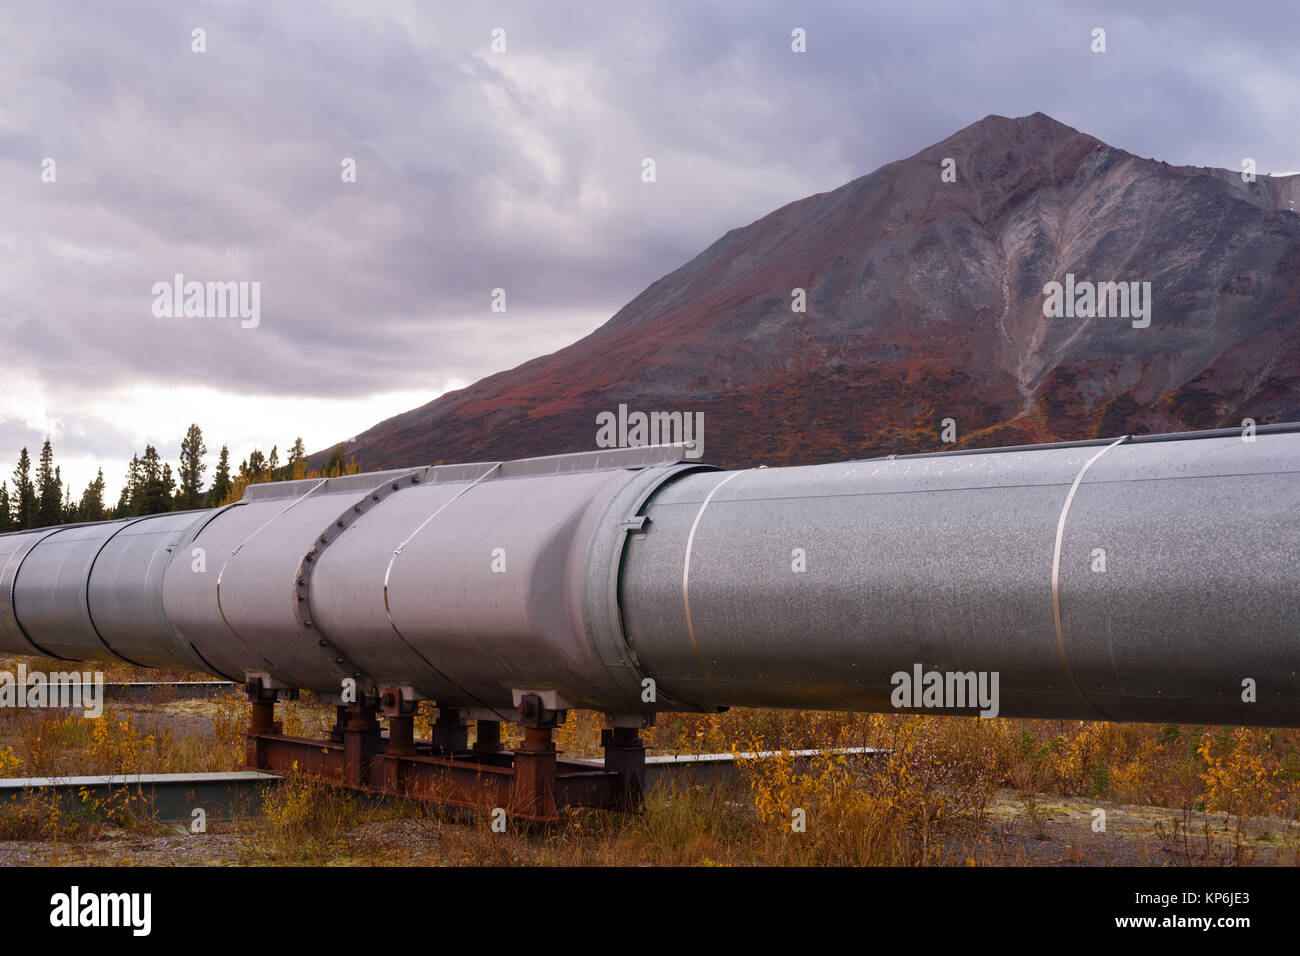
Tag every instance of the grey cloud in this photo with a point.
(478, 171)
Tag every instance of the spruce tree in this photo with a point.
(296, 466)
(49, 489)
(167, 488)
(128, 503)
(256, 467)
(221, 480)
(191, 470)
(6, 516)
(92, 501)
(24, 500)
(156, 484)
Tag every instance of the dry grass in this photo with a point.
(1231, 795)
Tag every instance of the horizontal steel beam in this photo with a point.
(173, 797)
(167, 797)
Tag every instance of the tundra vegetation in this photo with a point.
(942, 791)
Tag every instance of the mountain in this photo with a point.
(925, 301)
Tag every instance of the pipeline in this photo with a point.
(1146, 578)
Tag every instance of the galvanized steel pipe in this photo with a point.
(1152, 578)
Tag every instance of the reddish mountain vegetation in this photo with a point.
(925, 301)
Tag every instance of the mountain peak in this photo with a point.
(1034, 134)
(1038, 123)
(853, 322)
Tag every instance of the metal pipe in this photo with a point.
(1150, 578)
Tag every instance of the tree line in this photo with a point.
(152, 486)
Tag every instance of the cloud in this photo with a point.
(480, 170)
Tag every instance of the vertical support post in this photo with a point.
(535, 767)
(625, 755)
(391, 774)
(361, 743)
(261, 722)
(340, 720)
(450, 733)
(487, 737)
(535, 775)
(390, 771)
(401, 734)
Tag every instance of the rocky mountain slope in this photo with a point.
(925, 301)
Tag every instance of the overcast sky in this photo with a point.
(478, 170)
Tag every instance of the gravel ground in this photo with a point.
(1059, 832)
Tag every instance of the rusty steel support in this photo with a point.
(261, 724)
(535, 776)
(400, 711)
(487, 737)
(450, 733)
(533, 783)
(262, 720)
(361, 742)
(625, 756)
(401, 735)
(340, 718)
(536, 770)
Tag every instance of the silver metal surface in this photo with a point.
(686, 573)
(632, 581)
(946, 562)
(14, 550)
(1056, 572)
(334, 655)
(124, 591)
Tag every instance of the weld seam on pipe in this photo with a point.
(686, 578)
(335, 658)
(388, 610)
(1056, 574)
(90, 571)
(221, 574)
(13, 593)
